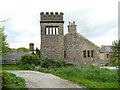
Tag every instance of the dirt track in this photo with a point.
(36, 79)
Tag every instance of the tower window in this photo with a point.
(53, 30)
(56, 30)
(46, 31)
(50, 30)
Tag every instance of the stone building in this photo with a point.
(14, 56)
(73, 47)
(106, 52)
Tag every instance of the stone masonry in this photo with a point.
(72, 47)
(52, 35)
(76, 46)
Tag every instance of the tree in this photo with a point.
(13, 49)
(22, 49)
(3, 43)
(116, 53)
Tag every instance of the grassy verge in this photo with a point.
(90, 77)
(12, 67)
(16, 82)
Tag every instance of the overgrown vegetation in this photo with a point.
(3, 43)
(16, 82)
(29, 67)
(51, 63)
(30, 59)
(90, 77)
(116, 53)
(10, 80)
(5, 79)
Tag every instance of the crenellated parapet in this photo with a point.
(51, 17)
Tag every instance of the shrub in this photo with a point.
(51, 63)
(30, 59)
(16, 82)
(29, 67)
(5, 79)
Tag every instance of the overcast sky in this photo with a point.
(97, 20)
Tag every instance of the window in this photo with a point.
(64, 54)
(46, 31)
(50, 31)
(92, 53)
(56, 30)
(53, 30)
(88, 53)
(84, 53)
(107, 55)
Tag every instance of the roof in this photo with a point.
(14, 55)
(103, 62)
(83, 38)
(106, 49)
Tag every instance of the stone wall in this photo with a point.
(104, 56)
(75, 44)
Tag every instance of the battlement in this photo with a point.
(51, 16)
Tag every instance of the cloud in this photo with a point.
(95, 19)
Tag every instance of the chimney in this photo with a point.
(72, 27)
(31, 46)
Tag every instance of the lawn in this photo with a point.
(12, 67)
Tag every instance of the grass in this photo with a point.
(12, 67)
(90, 77)
(16, 82)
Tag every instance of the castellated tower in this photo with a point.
(52, 35)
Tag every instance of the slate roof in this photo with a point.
(14, 55)
(106, 49)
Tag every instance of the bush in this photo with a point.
(29, 67)
(16, 82)
(5, 79)
(30, 59)
(51, 63)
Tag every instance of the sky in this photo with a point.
(97, 20)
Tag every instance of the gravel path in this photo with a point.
(35, 79)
